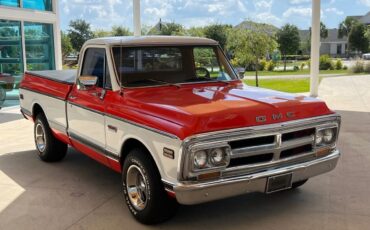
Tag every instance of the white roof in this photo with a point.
(151, 40)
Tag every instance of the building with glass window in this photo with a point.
(29, 39)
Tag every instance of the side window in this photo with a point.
(95, 65)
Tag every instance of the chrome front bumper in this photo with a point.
(195, 193)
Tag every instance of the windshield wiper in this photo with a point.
(165, 82)
(197, 79)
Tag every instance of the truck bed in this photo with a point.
(61, 76)
(53, 83)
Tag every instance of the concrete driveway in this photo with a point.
(79, 193)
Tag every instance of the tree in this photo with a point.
(196, 32)
(345, 27)
(367, 34)
(288, 40)
(79, 32)
(218, 33)
(120, 31)
(99, 33)
(66, 45)
(357, 39)
(250, 46)
(171, 28)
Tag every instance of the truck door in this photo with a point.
(85, 107)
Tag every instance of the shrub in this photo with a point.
(295, 68)
(338, 64)
(345, 67)
(262, 65)
(325, 62)
(358, 67)
(270, 66)
(367, 67)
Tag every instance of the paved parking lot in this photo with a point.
(79, 193)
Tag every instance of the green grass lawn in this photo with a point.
(292, 72)
(285, 85)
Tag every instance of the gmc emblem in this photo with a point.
(275, 117)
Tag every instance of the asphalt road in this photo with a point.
(79, 193)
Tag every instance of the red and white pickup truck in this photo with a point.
(174, 118)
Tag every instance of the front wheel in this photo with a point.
(49, 148)
(143, 189)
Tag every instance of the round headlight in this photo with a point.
(328, 135)
(200, 159)
(217, 156)
(319, 137)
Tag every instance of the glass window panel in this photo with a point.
(11, 63)
(14, 3)
(39, 46)
(38, 5)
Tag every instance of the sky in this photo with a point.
(103, 14)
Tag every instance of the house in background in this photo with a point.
(332, 45)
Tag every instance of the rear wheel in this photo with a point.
(298, 184)
(143, 189)
(2, 95)
(49, 148)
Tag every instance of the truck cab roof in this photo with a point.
(151, 41)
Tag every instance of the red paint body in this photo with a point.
(192, 108)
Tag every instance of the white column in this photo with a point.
(315, 48)
(57, 37)
(137, 23)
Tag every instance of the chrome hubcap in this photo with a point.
(40, 138)
(136, 187)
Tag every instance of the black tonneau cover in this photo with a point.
(62, 76)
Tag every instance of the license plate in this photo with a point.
(279, 183)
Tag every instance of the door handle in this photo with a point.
(72, 97)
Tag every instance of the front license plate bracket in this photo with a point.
(279, 183)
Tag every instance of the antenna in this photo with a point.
(119, 69)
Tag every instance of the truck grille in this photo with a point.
(263, 152)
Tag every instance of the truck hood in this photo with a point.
(200, 108)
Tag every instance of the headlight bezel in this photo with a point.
(323, 143)
(210, 167)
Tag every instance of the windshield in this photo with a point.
(150, 66)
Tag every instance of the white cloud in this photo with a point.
(365, 2)
(263, 4)
(299, 1)
(334, 10)
(269, 18)
(300, 11)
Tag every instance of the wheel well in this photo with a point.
(131, 144)
(36, 110)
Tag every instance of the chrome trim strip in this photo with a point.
(42, 93)
(144, 126)
(93, 146)
(59, 127)
(126, 121)
(26, 112)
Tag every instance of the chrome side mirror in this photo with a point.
(87, 81)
